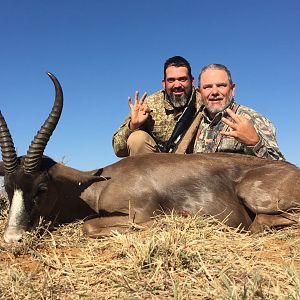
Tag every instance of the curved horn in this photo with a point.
(9, 154)
(36, 149)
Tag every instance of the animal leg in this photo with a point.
(104, 226)
(269, 190)
(263, 221)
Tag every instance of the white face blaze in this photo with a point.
(13, 231)
(17, 209)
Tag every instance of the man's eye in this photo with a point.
(183, 79)
(170, 80)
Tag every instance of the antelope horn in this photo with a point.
(35, 152)
(9, 155)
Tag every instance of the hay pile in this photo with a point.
(178, 258)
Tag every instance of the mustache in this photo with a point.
(177, 89)
(215, 98)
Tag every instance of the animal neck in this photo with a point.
(77, 197)
(70, 205)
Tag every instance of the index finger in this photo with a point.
(233, 115)
(143, 98)
(229, 123)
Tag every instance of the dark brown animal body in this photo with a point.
(231, 187)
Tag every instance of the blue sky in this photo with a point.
(102, 51)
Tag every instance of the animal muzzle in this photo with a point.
(13, 234)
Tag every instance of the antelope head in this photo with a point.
(26, 178)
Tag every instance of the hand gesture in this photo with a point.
(241, 129)
(139, 111)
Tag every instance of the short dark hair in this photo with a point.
(177, 61)
(216, 67)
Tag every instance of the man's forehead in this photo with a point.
(173, 71)
(213, 76)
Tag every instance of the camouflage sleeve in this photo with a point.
(267, 146)
(119, 140)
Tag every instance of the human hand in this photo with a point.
(139, 111)
(242, 129)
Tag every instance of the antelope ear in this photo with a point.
(2, 169)
(63, 173)
(96, 172)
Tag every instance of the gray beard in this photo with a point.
(178, 101)
(216, 110)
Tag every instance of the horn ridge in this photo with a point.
(9, 155)
(36, 149)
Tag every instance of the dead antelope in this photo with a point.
(227, 186)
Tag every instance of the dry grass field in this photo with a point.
(178, 258)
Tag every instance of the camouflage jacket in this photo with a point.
(210, 139)
(160, 123)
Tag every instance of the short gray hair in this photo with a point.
(215, 67)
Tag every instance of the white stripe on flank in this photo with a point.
(17, 208)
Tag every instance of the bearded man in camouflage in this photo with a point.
(150, 124)
(227, 126)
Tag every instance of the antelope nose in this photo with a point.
(13, 234)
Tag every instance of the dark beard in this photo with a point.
(178, 101)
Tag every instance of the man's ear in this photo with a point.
(198, 97)
(233, 89)
(163, 84)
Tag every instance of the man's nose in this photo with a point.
(177, 83)
(215, 90)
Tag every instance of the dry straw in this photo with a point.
(178, 258)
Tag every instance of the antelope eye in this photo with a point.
(42, 188)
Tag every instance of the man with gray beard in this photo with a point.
(227, 126)
(152, 120)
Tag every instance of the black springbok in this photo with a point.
(236, 189)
